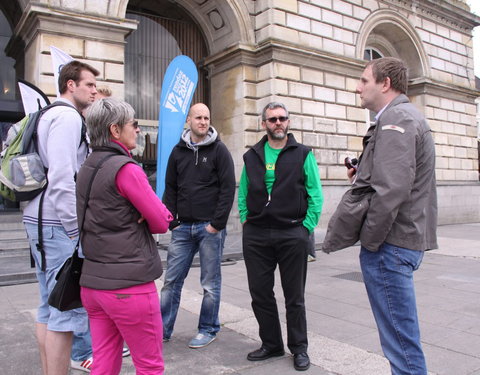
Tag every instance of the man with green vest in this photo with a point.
(280, 200)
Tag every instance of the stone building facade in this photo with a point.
(305, 53)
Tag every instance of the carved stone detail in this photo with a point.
(216, 19)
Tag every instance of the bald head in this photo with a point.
(198, 107)
(198, 120)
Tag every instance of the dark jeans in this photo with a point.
(263, 249)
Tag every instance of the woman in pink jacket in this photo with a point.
(121, 256)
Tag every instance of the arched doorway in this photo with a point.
(11, 109)
(164, 31)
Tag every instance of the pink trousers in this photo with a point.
(116, 316)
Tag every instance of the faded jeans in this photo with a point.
(187, 240)
(81, 346)
(388, 277)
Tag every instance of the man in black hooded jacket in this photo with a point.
(199, 192)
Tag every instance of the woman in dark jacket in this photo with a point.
(121, 257)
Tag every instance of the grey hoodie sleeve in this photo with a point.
(393, 174)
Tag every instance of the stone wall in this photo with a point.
(92, 38)
(324, 106)
(305, 53)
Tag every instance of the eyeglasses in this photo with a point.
(273, 120)
(134, 124)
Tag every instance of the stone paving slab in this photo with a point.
(342, 333)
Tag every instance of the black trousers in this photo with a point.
(263, 250)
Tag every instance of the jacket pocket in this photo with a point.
(345, 224)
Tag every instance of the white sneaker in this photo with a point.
(85, 365)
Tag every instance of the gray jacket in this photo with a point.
(393, 198)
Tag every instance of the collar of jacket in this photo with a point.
(402, 98)
(259, 146)
(211, 137)
(112, 147)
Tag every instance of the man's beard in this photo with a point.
(277, 135)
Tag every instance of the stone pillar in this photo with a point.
(233, 105)
(96, 39)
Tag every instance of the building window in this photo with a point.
(372, 54)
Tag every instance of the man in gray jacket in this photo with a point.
(396, 220)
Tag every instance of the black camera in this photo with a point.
(351, 163)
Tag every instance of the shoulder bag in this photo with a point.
(66, 292)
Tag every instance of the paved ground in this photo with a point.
(342, 334)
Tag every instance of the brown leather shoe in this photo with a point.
(301, 361)
(262, 354)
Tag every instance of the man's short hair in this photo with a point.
(72, 71)
(105, 112)
(392, 68)
(273, 105)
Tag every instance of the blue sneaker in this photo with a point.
(201, 340)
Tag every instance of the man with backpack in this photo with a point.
(62, 148)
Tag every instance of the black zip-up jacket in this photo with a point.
(287, 205)
(200, 181)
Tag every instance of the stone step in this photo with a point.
(12, 226)
(11, 217)
(18, 278)
(8, 245)
(16, 269)
(12, 234)
(11, 221)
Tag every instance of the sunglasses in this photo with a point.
(273, 120)
(135, 124)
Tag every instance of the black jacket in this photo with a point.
(200, 181)
(287, 205)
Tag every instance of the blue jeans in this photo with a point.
(388, 277)
(81, 346)
(58, 248)
(187, 240)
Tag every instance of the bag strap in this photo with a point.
(87, 197)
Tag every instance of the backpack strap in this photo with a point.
(83, 137)
(40, 248)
